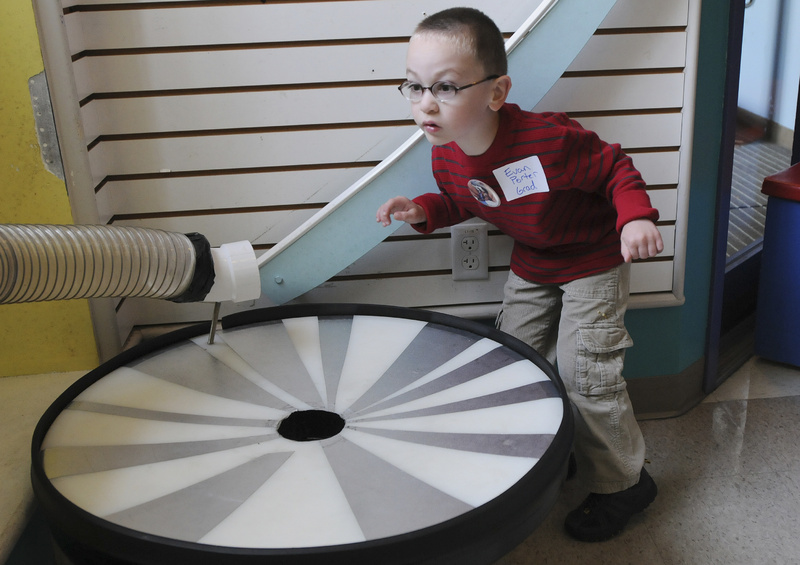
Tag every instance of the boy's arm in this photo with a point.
(596, 166)
(627, 192)
(607, 168)
(425, 213)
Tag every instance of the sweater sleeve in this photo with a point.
(596, 166)
(627, 193)
(441, 212)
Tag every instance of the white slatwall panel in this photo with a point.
(272, 22)
(647, 14)
(224, 191)
(605, 52)
(241, 120)
(238, 67)
(245, 150)
(243, 110)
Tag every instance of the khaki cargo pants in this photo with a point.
(579, 328)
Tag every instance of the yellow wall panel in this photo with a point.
(37, 337)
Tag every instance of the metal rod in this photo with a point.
(214, 319)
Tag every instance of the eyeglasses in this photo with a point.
(442, 90)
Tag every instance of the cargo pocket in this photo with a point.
(599, 360)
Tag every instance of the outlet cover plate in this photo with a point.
(470, 251)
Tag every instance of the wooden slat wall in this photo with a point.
(241, 119)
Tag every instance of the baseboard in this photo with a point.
(772, 131)
(669, 396)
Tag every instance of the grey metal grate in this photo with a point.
(751, 164)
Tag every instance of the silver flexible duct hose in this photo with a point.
(49, 262)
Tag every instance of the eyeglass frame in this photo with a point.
(456, 89)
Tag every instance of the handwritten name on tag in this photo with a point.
(522, 178)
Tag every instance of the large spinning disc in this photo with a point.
(306, 434)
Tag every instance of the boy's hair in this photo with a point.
(473, 31)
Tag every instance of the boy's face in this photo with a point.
(466, 119)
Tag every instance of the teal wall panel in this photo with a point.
(668, 340)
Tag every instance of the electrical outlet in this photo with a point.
(470, 250)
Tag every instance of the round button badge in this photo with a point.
(483, 193)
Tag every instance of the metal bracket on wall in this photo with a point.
(45, 125)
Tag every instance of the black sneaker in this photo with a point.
(602, 516)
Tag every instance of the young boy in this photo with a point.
(578, 213)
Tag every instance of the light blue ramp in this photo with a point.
(345, 230)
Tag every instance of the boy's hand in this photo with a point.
(403, 210)
(640, 240)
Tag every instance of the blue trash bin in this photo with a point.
(778, 310)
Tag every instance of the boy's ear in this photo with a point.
(500, 91)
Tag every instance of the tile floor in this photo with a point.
(728, 473)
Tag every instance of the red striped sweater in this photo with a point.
(568, 232)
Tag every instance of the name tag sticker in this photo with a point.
(522, 178)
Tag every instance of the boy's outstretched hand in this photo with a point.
(640, 240)
(403, 210)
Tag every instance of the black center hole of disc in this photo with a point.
(310, 425)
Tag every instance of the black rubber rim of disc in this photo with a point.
(481, 535)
